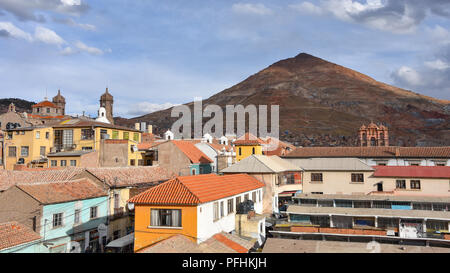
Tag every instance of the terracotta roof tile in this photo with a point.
(248, 139)
(45, 103)
(192, 152)
(197, 189)
(388, 152)
(10, 178)
(412, 171)
(64, 191)
(14, 234)
(129, 176)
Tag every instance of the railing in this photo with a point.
(118, 213)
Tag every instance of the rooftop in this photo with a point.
(371, 152)
(248, 139)
(192, 152)
(261, 164)
(197, 189)
(277, 245)
(45, 103)
(359, 197)
(412, 171)
(64, 191)
(330, 164)
(14, 234)
(69, 154)
(130, 176)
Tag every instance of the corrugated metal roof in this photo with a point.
(330, 164)
(261, 164)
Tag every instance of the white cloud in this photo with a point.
(143, 108)
(15, 32)
(88, 49)
(307, 7)
(248, 8)
(439, 34)
(408, 76)
(48, 36)
(71, 22)
(68, 51)
(437, 64)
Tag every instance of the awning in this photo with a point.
(286, 193)
(122, 241)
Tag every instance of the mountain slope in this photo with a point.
(21, 105)
(322, 103)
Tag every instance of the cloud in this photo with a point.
(28, 10)
(47, 36)
(408, 76)
(10, 30)
(71, 22)
(143, 108)
(437, 64)
(397, 16)
(247, 8)
(91, 50)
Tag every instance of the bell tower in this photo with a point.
(60, 101)
(106, 101)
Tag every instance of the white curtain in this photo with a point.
(154, 218)
(176, 218)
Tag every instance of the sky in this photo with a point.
(155, 54)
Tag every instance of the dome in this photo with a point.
(59, 98)
(106, 95)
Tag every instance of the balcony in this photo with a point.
(118, 213)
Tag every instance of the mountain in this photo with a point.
(21, 105)
(322, 104)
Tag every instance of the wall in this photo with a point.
(145, 236)
(172, 159)
(113, 154)
(339, 182)
(428, 186)
(247, 151)
(207, 227)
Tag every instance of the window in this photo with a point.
(216, 211)
(47, 135)
(24, 151)
(165, 218)
(361, 204)
(322, 221)
(422, 206)
(240, 151)
(388, 222)
(238, 201)
(132, 162)
(246, 197)
(12, 151)
(316, 177)
(222, 209)
(57, 220)
(357, 177)
(325, 203)
(193, 172)
(87, 134)
(116, 234)
(307, 202)
(76, 219)
(136, 137)
(439, 206)
(73, 163)
(93, 213)
(116, 200)
(344, 203)
(140, 162)
(415, 184)
(48, 110)
(38, 135)
(115, 134)
(254, 196)
(400, 184)
(126, 135)
(382, 205)
(63, 163)
(42, 150)
(63, 138)
(437, 225)
(86, 148)
(253, 150)
(54, 163)
(230, 206)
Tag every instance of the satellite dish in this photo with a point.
(134, 148)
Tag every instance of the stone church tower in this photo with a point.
(60, 101)
(373, 135)
(106, 101)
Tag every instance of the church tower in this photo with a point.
(60, 101)
(106, 101)
(373, 135)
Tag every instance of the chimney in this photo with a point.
(137, 126)
(150, 129)
(142, 126)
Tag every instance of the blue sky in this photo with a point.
(153, 54)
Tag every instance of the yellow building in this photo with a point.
(67, 140)
(248, 145)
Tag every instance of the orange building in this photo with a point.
(195, 206)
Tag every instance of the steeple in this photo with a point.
(107, 101)
(60, 101)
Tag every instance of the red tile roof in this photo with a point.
(230, 243)
(192, 152)
(45, 103)
(10, 178)
(59, 192)
(197, 189)
(14, 234)
(412, 171)
(248, 139)
(387, 152)
(130, 176)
